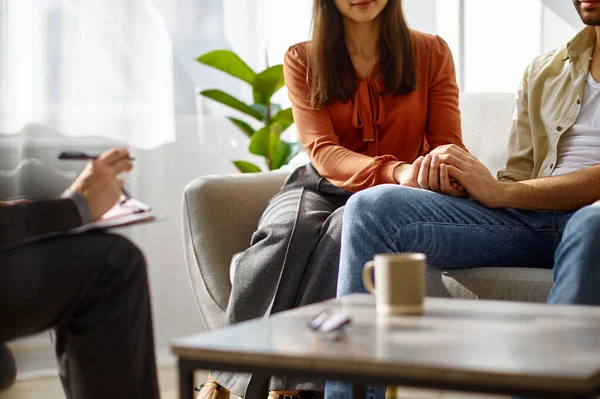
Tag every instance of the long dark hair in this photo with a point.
(331, 71)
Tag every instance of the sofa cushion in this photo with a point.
(493, 283)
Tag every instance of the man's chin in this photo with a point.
(590, 20)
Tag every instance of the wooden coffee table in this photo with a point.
(527, 349)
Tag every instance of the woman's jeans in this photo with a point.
(461, 233)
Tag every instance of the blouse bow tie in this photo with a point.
(368, 112)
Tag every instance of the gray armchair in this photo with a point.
(221, 213)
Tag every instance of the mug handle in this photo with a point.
(366, 276)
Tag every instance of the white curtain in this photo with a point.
(87, 68)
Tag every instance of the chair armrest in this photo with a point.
(220, 214)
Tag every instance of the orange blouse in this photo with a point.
(357, 144)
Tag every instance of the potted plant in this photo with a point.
(265, 141)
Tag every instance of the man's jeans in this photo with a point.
(461, 233)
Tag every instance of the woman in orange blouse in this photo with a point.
(370, 99)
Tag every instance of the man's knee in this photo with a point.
(576, 272)
(125, 259)
(585, 225)
(379, 203)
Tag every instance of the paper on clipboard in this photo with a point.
(124, 213)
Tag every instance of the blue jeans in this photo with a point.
(461, 233)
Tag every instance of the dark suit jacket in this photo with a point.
(22, 223)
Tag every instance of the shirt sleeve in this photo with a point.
(519, 165)
(341, 166)
(443, 112)
(82, 206)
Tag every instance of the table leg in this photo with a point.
(186, 381)
(359, 391)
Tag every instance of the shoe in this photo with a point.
(303, 395)
(218, 389)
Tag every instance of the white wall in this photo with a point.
(421, 14)
(560, 23)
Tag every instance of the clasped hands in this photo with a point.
(453, 171)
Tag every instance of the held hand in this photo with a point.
(431, 178)
(472, 174)
(426, 173)
(99, 184)
(404, 175)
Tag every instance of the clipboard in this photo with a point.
(126, 212)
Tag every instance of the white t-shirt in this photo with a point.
(579, 147)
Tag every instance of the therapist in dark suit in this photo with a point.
(91, 289)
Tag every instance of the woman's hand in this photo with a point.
(428, 173)
(404, 175)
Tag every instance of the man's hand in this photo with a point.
(99, 183)
(7, 204)
(471, 174)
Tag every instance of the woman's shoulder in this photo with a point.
(425, 43)
(298, 53)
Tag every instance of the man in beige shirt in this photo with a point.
(537, 214)
(539, 211)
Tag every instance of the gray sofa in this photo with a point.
(221, 213)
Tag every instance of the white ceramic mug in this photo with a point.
(399, 282)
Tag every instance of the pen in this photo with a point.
(126, 194)
(79, 156)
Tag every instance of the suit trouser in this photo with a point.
(92, 290)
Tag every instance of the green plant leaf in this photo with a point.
(285, 118)
(243, 126)
(230, 101)
(265, 141)
(259, 144)
(267, 83)
(285, 152)
(281, 154)
(275, 138)
(230, 63)
(246, 167)
(296, 148)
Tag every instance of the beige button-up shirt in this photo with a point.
(548, 104)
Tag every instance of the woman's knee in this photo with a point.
(333, 224)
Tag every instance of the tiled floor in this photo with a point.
(48, 387)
